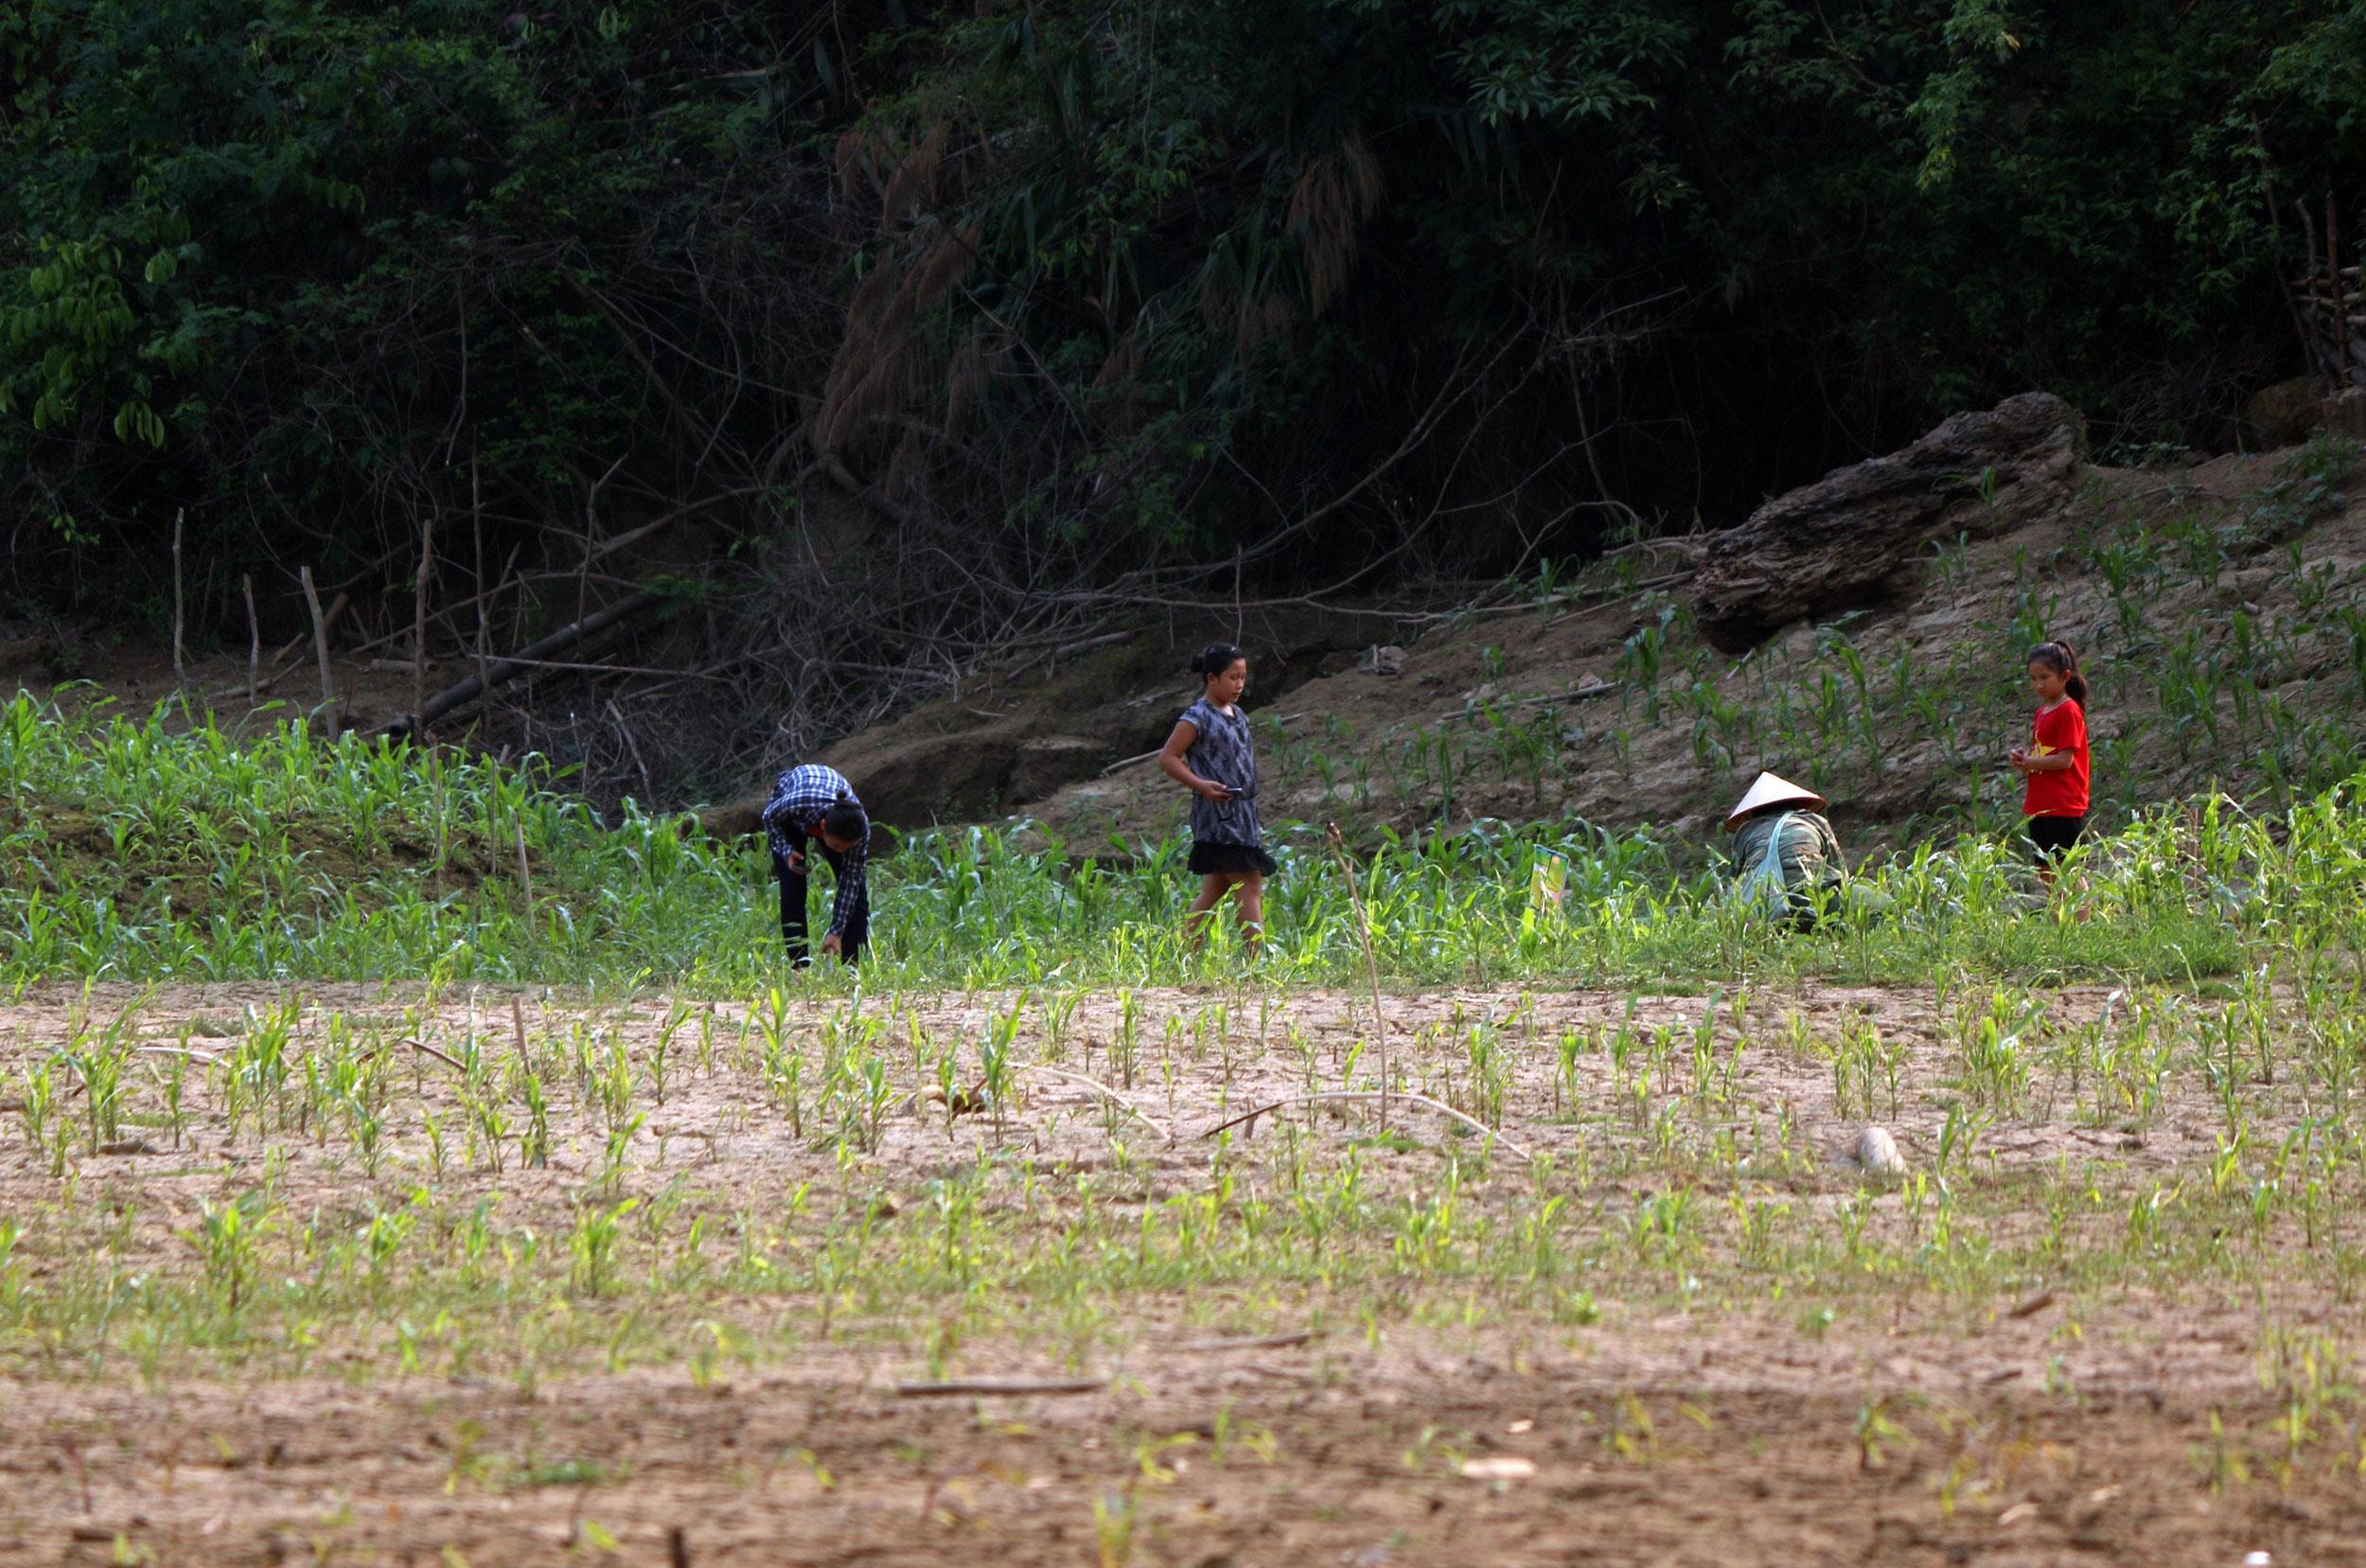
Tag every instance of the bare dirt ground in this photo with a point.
(2028, 1421)
(1753, 1463)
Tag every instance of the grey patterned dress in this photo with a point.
(1225, 753)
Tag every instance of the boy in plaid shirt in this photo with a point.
(812, 806)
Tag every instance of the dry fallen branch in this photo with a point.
(209, 1058)
(1260, 1341)
(1106, 1092)
(424, 1048)
(1402, 1096)
(503, 669)
(957, 1386)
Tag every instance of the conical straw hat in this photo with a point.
(1773, 790)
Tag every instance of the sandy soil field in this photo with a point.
(1732, 1386)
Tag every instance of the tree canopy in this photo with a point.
(1121, 293)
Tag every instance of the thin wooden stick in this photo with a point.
(320, 648)
(209, 1058)
(957, 1386)
(525, 867)
(1262, 1341)
(418, 630)
(1581, 693)
(649, 787)
(1105, 1092)
(2341, 351)
(1371, 961)
(254, 639)
(1479, 1127)
(483, 594)
(501, 670)
(337, 607)
(179, 675)
(419, 1044)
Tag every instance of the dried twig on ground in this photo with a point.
(957, 1386)
(1404, 1095)
(1106, 1092)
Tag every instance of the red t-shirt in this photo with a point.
(2060, 728)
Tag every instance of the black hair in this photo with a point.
(2059, 657)
(845, 820)
(1215, 659)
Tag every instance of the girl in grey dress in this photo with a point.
(1210, 753)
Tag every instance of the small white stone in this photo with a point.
(1510, 1468)
(1877, 1152)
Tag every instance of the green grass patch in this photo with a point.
(135, 850)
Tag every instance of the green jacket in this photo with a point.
(1810, 851)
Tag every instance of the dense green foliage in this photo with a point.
(310, 268)
(307, 267)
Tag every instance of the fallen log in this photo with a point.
(501, 670)
(1835, 544)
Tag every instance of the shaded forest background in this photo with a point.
(859, 342)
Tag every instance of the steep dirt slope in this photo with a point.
(2222, 609)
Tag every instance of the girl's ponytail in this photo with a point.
(2063, 659)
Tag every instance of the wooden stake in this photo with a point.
(1371, 961)
(525, 868)
(254, 640)
(419, 630)
(320, 648)
(2341, 352)
(179, 674)
(483, 590)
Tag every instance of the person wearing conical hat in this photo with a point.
(1784, 849)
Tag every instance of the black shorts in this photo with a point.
(1209, 858)
(2054, 836)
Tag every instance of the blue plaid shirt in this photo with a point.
(801, 797)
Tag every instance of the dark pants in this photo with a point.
(2052, 837)
(793, 885)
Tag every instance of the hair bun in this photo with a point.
(1215, 659)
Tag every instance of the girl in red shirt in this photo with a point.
(2054, 761)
